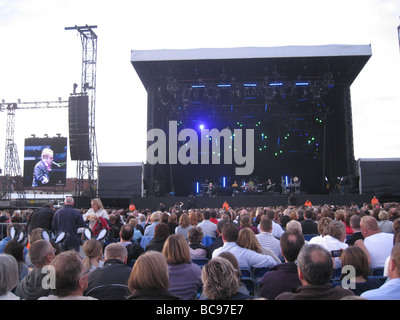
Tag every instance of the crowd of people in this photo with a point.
(308, 252)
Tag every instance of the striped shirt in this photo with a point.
(267, 240)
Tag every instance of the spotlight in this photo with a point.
(201, 127)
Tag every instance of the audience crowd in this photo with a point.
(305, 252)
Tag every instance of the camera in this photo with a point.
(336, 253)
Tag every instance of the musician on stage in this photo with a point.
(270, 186)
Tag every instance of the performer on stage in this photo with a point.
(270, 186)
(42, 170)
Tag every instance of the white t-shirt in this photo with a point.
(379, 247)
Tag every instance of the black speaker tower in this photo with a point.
(79, 127)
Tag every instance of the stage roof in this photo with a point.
(157, 67)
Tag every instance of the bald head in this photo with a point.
(369, 226)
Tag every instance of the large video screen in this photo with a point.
(45, 162)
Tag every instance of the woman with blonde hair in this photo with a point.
(184, 225)
(184, 275)
(248, 240)
(221, 281)
(93, 251)
(96, 212)
(149, 278)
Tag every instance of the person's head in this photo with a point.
(172, 218)
(193, 219)
(149, 273)
(71, 277)
(184, 220)
(92, 249)
(355, 222)
(230, 232)
(69, 201)
(369, 226)
(247, 239)
(294, 225)
(116, 251)
(176, 249)
(394, 262)
(206, 215)
(322, 224)
(291, 243)
(155, 216)
(383, 215)
(232, 259)
(161, 231)
(337, 230)
(41, 253)
(308, 214)
(47, 155)
(356, 257)
(195, 235)
(220, 279)
(96, 204)
(18, 227)
(126, 232)
(220, 224)
(314, 265)
(245, 221)
(9, 275)
(15, 249)
(266, 224)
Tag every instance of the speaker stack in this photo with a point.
(78, 112)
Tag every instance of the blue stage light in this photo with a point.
(197, 187)
(223, 182)
(201, 127)
(250, 85)
(302, 83)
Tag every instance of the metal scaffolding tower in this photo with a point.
(88, 168)
(12, 181)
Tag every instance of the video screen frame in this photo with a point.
(45, 162)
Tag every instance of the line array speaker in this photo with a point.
(78, 112)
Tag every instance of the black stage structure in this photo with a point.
(296, 100)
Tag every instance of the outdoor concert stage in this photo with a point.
(246, 113)
(249, 201)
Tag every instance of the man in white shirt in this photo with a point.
(376, 244)
(390, 290)
(266, 238)
(209, 228)
(246, 258)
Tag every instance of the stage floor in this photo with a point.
(248, 201)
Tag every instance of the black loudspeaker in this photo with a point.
(78, 112)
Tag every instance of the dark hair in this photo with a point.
(230, 232)
(126, 232)
(291, 243)
(161, 231)
(266, 224)
(206, 215)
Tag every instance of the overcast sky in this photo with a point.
(40, 61)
